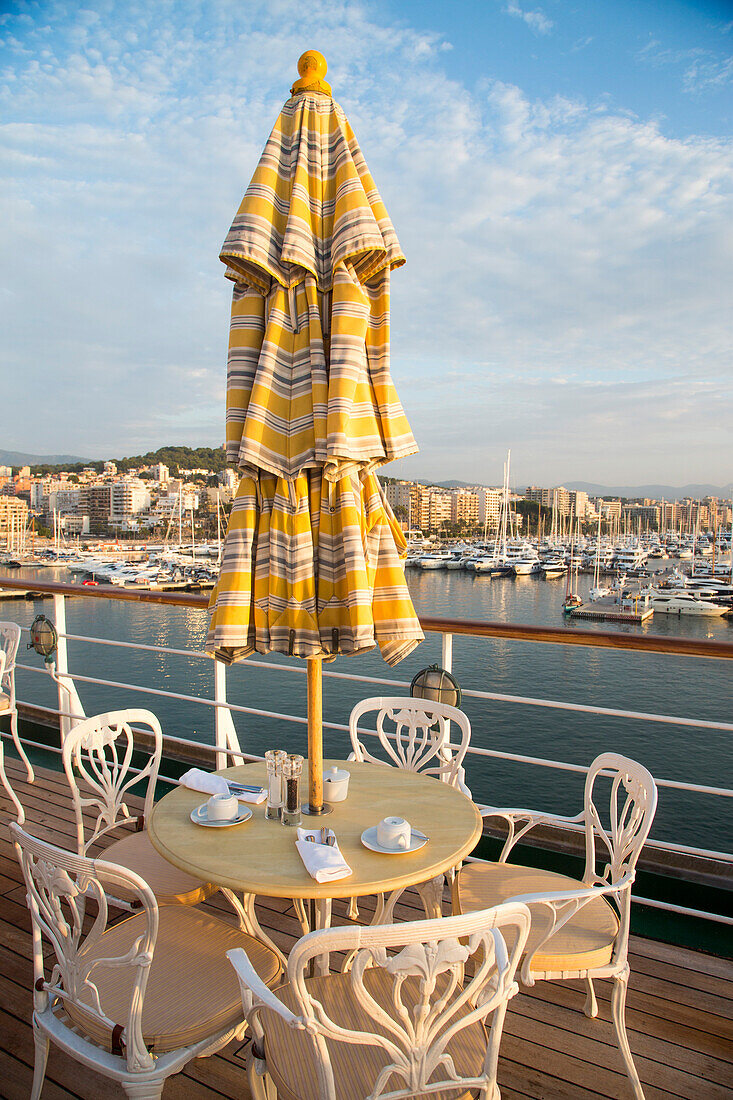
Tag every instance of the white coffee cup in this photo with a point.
(394, 832)
(222, 807)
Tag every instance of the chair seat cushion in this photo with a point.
(585, 942)
(192, 989)
(170, 886)
(4, 702)
(290, 1054)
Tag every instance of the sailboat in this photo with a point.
(598, 591)
(572, 599)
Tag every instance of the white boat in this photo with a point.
(685, 603)
(438, 559)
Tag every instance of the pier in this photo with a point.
(607, 610)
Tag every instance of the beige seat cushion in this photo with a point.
(290, 1054)
(170, 886)
(586, 941)
(4, 702)
(192, 989)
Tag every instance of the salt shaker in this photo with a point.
(292, 769)
(274, 759)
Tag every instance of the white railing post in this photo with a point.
(227, 740)
(71, 710)
(448, 652)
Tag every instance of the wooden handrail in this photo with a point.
(599, 639)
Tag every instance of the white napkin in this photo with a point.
(199, 780)
(323, 862)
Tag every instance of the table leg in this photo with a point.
(431, 895)
(319, 916)
(248, 922)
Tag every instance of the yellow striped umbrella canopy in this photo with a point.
(311, 560)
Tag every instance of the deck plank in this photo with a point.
(680, 1005)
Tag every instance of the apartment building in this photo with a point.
(128, 497)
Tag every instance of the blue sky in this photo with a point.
(559, 175)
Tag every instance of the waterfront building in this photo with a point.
(95, 501)
(646, 514)
(128, 497)
(609, 509)
(159, 472)
(557, 498)
(464, 507)
(13, 516)
(229, 479)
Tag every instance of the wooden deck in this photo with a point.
(680, 1008)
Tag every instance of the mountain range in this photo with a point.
(654, 492)
(19, 458)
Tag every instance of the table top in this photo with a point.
(260, 857)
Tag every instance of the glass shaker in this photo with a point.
(274, 759)
(292, 769)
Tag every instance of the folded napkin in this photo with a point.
(322, 862)
(199, 780)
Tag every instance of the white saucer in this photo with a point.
(199, 816)
(369, 840)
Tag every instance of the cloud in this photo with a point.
(536, 20)
(702, 71)
(548, 240)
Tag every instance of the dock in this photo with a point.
(607, 610)
(679, 1009)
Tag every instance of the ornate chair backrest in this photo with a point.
(412, 982)
(99, 751)
(617, 844)
(68, 906)
(9, 642)
(414, 734)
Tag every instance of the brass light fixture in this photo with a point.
(437, 684)
(44, 637)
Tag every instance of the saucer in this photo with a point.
(369, 840)
(199, 816)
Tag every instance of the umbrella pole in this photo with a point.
(315, 805)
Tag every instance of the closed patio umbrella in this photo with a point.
(311, 561)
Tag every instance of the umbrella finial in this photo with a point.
(312, 69)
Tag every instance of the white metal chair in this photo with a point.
(9, 642)
(413, 734)
(401, 1020)
(134, 1000)
(4, 707)
(98, 752)
(580, 929)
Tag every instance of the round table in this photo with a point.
(260, 857)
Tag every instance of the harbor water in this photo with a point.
(684, 687)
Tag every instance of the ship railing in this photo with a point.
(226, 745)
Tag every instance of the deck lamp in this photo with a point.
(44, 638)
(437, 684)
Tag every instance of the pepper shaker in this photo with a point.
(292, 769)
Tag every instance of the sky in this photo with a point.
(558, 172)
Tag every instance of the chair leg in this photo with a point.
(591, 1004)
(150, 1088)
(261, 1085)
(618, 1011)
(42, 1043)
(21, 751)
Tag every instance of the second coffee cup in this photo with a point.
(394, 832)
